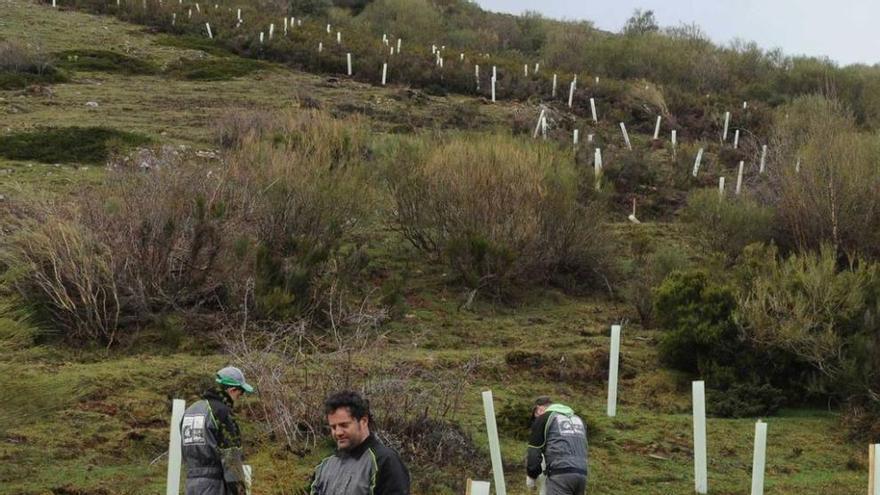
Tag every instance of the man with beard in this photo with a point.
(361, 465)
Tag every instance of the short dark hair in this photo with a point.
(541, 401)
(357, 406)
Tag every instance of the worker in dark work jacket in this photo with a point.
(211, 440)
(361, 465)
(559, 439)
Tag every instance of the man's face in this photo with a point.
(347, 431)
(539, 410)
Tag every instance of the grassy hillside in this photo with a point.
(85, 419)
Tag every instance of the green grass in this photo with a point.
(103, 61)
(215, 69)
(68, 144)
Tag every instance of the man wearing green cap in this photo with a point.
(559, 439)
(211, 440)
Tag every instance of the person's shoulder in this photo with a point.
(382, 451)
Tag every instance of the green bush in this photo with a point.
(69, 144)
(702, 338)
(728, 224)
(649, 267)
(501, 212)
(823, 313)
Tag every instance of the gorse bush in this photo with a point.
(833, 197)
(728, 224)
(702, 338)
(501, 212)
(302, 190)
(824, 314)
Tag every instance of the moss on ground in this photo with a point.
(103, 61)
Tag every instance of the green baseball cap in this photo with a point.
(233, 377)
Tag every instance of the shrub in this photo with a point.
(650, 266)
(20, 68)
(702, 338)
(502, 213)
(267, 231)
(69, 144)
(825, 314)
(833, 198)
(727, 224)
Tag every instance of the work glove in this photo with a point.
(530, 483)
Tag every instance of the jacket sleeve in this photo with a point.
(535, 452)
(393, 477)
(231, 455)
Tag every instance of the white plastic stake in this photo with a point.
(571, 93)
(544, 127)
(625, 136)
(173, 18)
(271, 30)
(248, 472)
(739, 177)
(328, 28)
(461, 57)
(190, 14)
(479, 488)
(53, 4)
(721, 186)
(763, 158)
(348, 61)
(338, 38)
(526, 70)
(797, 166)
(398, 46)
(701, 475)
(575, 137)
(745, 105)
(494, 445)
(657, 128)
(172, 485)
(494, 72)
(198, 9)
(736, 139)
(589, 138)
(760, 458)
(261, 41)
(540, 123)
(726, 126)
(384, 73)
(320, 46)
(698, 161)
(208, 25)
(493, 88)
(554, 86)
(285, 25)
(612, 370)
(597, 168)
(593, 110)
(239, 15)
(477, 75)
(433, 49)
(537, 66)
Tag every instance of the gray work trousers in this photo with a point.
(566, 484)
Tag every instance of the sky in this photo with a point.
(846, 31)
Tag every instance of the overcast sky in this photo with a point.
(843, 30)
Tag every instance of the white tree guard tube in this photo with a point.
(701, 476)
(759, 459)
(613, 365)
(494, 444)
(174, 450)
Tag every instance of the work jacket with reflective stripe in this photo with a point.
(560, 438)
(368, 469)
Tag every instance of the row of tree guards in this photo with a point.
(701, 475)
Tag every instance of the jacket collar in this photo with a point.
(358, 451)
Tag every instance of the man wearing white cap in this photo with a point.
(211, 440)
